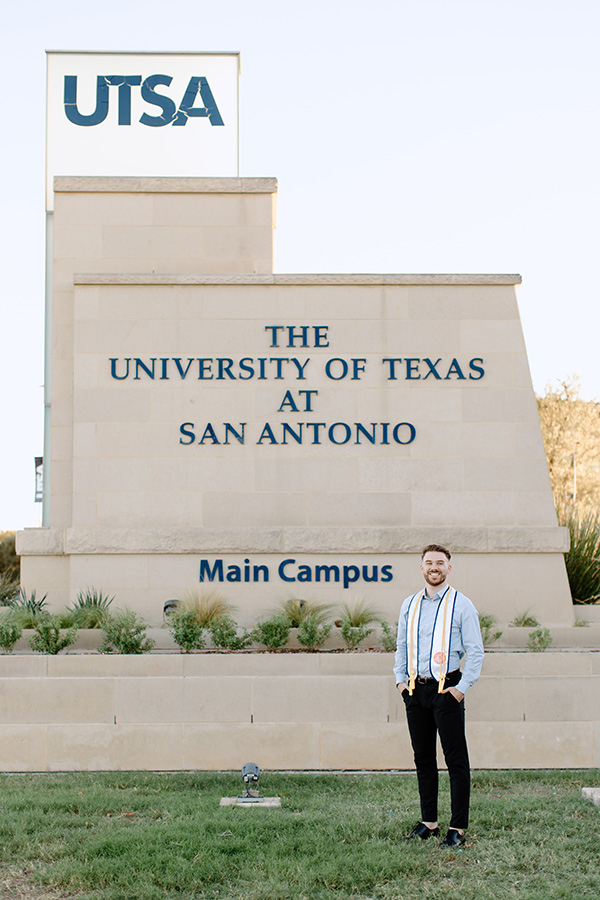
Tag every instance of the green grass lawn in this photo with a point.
(135, 836)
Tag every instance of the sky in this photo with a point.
(412, 136)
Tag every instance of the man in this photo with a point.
(438, 627)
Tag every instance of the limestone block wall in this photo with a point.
(298, 711)
(141, 225)
(148, 485)
(213, 423)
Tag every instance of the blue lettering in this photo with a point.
(165, 103)
(411, 430)
(288, 400)
(287, 429)
(141, 365)
(246, 368)
(476, 368)
(454, 369)
(282, 567)
(234, 573)
(113, 368)
(267, 432)
(186, 107)
(260, 570)
(412, 365)
(125, 83)
(208, 574)
(186, 429)
(183, 372)
(209, 432)
(304, 573)
(432, 368)
(70, 97)
(229, 428)
(348, 432)
(328, 365)
(327, 571)
(351, 574)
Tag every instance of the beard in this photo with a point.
(434, 578)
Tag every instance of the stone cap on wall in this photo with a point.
(120, 278)
(156, 185)
(290, 539)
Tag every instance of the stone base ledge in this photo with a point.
(111, 184)
(316, 712)
(591, 793)
(73, 541)
(300, 279)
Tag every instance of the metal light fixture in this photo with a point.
(251, 775)
(169, 607)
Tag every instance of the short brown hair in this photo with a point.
(436, 548)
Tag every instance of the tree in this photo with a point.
(571, 433)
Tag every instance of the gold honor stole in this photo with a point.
(439, 653)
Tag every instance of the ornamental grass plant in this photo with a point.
(357, 613)
(298, 610)
(9, 588)
(208, 605)
(583, 558)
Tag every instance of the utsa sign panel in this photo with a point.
(137, 114)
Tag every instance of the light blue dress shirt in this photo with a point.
(465, 640)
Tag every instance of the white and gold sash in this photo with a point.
(439, 653)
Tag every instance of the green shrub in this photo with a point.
(187, 631)
(224, 635)
(90, 608)
(125, 632)
(539, 640)
(524, 620)
(298, 610)
(389, 637)
(312, 633)
(353, 634)
(583, 559)
(273, 633)
(49, 638)
(9, 588)
(486, 624)
(10, 632)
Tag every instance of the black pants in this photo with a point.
(429, 713)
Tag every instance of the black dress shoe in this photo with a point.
(422, 831)
(453, 838)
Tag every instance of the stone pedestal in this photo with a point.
(279, 435)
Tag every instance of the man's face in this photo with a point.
(435, 568)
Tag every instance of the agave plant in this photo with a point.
(28, 611)
(583, 558)
(90, 608)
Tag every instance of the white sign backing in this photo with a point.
(142, 114)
